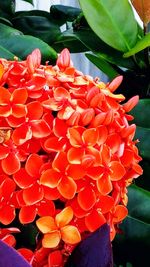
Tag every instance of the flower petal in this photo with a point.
(10, 164)
(40, 129)
(21, 134)
(75, 155)
(60, 128)
(23, 179)
(64, 217)
(7, 187)
(105, 203)
(55, 258)
(120, 213)
(50, 178)
(117, 171)
(19, 110)
(67, 187)
(33, 194)
(4, 96)
(76, 172)
(35, 110)
(90, 136)
(86, 198)
(94, 220)
(46, 224)
(104, 185)
(33, 165)
(74, 135)
(27, 214)
(60, 162)
(19, 96)
(5, 111)
(46, 208)
(51, 240)
(70, 234)
(4, 151)
(7, 214)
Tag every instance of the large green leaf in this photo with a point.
(143, 134)
(5, 21)
(141, 45)
(6, 32)
(113, 21)
(141, 113)
(8, 6)
(144, 180)
(135, 240)
(102, 65)
(48, 31)
(23, 45)
(4, 53)
(29, 1)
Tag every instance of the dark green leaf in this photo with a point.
(141, 45)
(23, 45)
(5, 21)
(48, 31)
(4, 53)
(29, 1)
(113, 21)
(6, 32)
(144, 180)
(65, 13)
(8, 6)
(143, 134)
(102, 65)
(141, 113)
(135, 240)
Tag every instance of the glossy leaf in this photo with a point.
(135, 240)
(143, 134)
(29, 1)
(141, 45)
(22, 45)
(8, 6)
(110, 22)
(103, 65)
(141, 113)
(5, 21)
(29, 25)
(4, 53)
(65, 13)
(6, 31)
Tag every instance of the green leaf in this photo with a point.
(29, 1)
(5, 21)
(101, 48)
(113, 21)
(102, 65)
(141, 113)
(65, 13)
(6, 32)
(144, 180)
(141, 45)
(48, 31)
(135, 240)
(143, 134)
(23, 45)
(7, 6)
(4, 53)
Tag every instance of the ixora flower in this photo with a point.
(67, 157)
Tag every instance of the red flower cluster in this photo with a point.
(65, 139)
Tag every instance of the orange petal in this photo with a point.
(51, 193)
(60, 93)
(21, 134)
(90, 137)
(86, 198)
(46, 224)
(103, 132)
(63, 60)
(60, 162)
(115, 83)
(59, 127)
(5, 111)
(131, 103)
(23, 179)
(105, 154)
(19, 110)
(70, 234)
(35, 110)
(55, 258)
(4, 96)
(67, 187)
(46, 208)
(7, 187)
(27, 214)
(64, 217)
(117, 171)
(75, 155)
(114, 142)
(51, 240)
(127, 157)
(95, 172)
(19, 96)
(55, 144)
(7, 214)
(4, 151)
(40, 129)
(105, 203)
(104, 185)
(50, 178)
(10, 164)
(87, 116)
(74, 135)
(120, 213)
(33, 165)
(77, 210)
(76, 172)
(94, 220)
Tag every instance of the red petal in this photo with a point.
(117, 170)
(19, 96)
(19, 110)
(76, 172)
(77, 210)
(33, 165)
(4, 151)
(21, 134)
(4, 96)
(105, 204)
(23, 179)
(127, 157)
(11, 164)
(27, 214)
(86, 198)
(114, 142)
(74, 135)
(120, 213)
(55, 144)
(90, 137)
(46, 208)
(63, 60)
(55, 259)
(131, 103)
(87, 116)
(7, 188)
(35, 110)
(95, 172)
(51, 193)
(26, 253)
(67, 187)
(40, 129)
(115, 83)
(60, 162)
(50, 178)
(33, 194)
(60, 128)
(7, 214)
(94, 220)
(75, 155)
(103, 132)
(104, 185)
(5, 111)
(60, 93)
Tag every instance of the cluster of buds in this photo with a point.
(67, 154)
